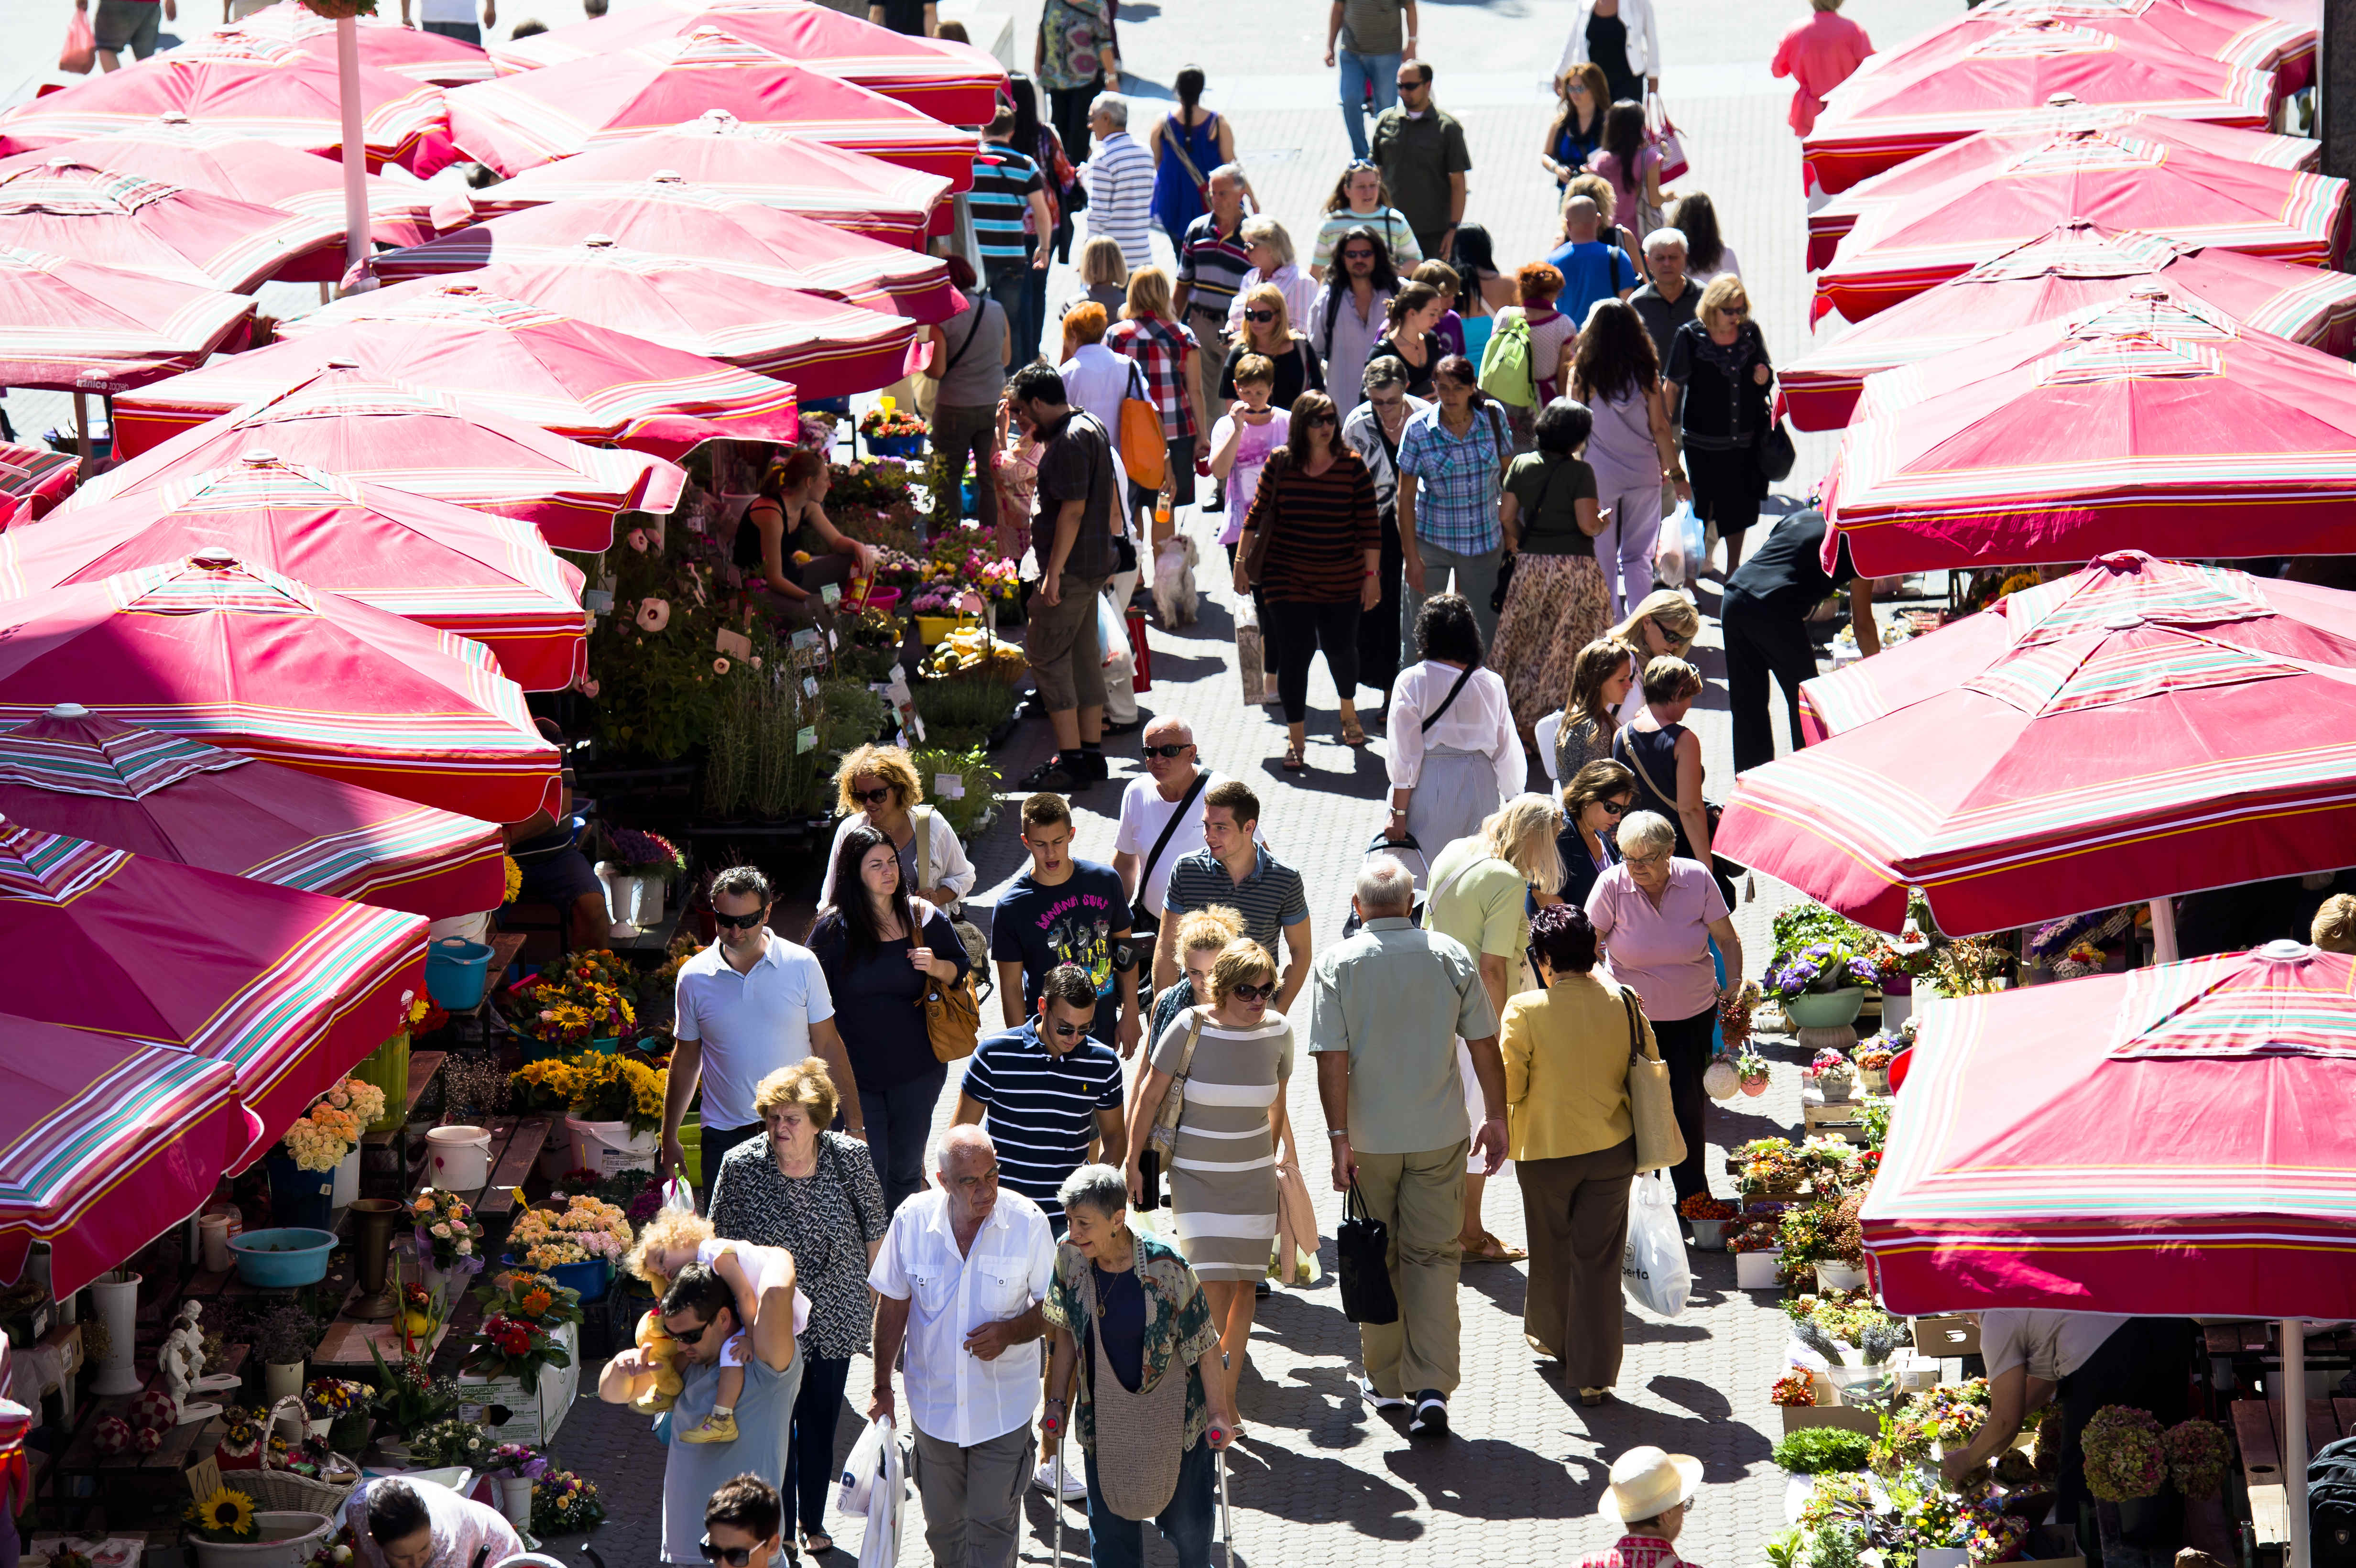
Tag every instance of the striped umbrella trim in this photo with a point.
(2079, 674)
(418, 842)
(191, 324)
(127, 765)
(2241, 1004)
(44, 868)
(267, 1029)
(182, 588)
(502, 742)
(2159, 593)
(76, 191)
(90, 1140)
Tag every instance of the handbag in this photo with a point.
(1144, 452)
(1361, 1247)
(1660, 1143)
(1774, 452)
(1665, 138)
(1256, 552)
(1162, 1136)
(952, 1011)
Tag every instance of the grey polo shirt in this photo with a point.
(1396, 997)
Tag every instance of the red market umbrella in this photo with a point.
(33, 480)
(826, 348)
(257, 663)
(72, 325)
(955, 83)
(665, 216)
(2135, 732)
(570, 377)
(416, 439)
(173, 798)
(2108, 177)
(383, 45)
(716, 151)
(287, 989)
(106, 1144)
(1881, 117)
(175, 150)
(469, 572)
(1973, 156)
(2167, 1141)
(2117, 428)
(2226, 30)
(249, 87)
(2073, 267)
(520, 122)
(64, 208)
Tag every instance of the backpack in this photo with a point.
(1505, 362)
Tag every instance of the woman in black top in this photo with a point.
(1719, 376)
(1556, 603)
(876, 974)
(1410, 337)
(1582, 97)
(1267, 329)
(1593, 801)
(788, 515)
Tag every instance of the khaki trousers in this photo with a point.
(1421, 1198)
(973, 1497)
(1210, 335)
(1577, 1207)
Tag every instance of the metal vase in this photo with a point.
(373, 1221)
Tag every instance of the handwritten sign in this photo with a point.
(204, 1477)
(736, 645)
(806, 739)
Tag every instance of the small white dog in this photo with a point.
(1173, 581)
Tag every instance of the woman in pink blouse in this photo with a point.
(1818, 55)
(1655, 914)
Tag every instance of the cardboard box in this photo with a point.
(532, 1416)
(1799, 1416)
(1946, 1334)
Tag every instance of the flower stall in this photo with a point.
(524, 1358)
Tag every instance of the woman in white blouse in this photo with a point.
(1454, 754)
(876, 786)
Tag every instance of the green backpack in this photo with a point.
(1506, 363)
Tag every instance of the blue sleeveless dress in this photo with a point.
(1176, 202)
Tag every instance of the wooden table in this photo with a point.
(123, 1479)
(2257, 1425)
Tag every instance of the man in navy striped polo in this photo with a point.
(1047, 1092)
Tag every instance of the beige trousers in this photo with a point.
(1420, 1196)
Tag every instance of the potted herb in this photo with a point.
(1757, 1260)
(1709, 1216)
(1821, 1450)
(282, 1338)
(1840, 1262)
(1873, 1059)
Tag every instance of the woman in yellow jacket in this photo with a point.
(1573, 1144)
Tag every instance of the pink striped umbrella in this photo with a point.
(60, 207)
(955, 83)
(468, 572)
(665, 216)
(521, 121)
(33, 480)
(570, 377)
(825, 347)
(416, 439)
(384, 44)
(72, 325)
(249, 86)
(716, 151)
(173, 798)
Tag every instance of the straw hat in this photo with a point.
(1646, 1483)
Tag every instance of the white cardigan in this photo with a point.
(1644, 39)
(950, 867)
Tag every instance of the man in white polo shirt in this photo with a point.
(749, 1004)
(960, 1277)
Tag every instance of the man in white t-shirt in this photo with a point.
(748, 1005)
(1170, 790)
(2027, 1354)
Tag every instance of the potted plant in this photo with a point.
(577, 1245)
(2197, 1459)
(1873, 1059)
(410, 1397)
(513, 1468)
(452, 1441)
(1823, 985)
(1840, 1258)
(615, 1111)
(655, 863)
(564, 1504)
(1758, 1260)
(282, 1338)
(1836, 1076)
(1750, 1071)
(447, 1236)
(2125, 1464)
(330, 1401)
(523, 1317)
(892, 432)
(1793, 1388)
(1709, 1216)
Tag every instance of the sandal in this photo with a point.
(1295, 760)
(816, 1545)
(1492, 1251)
(1353, 733)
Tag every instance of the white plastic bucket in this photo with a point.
(606, 1148)
(458, 1159)
(285, 1538)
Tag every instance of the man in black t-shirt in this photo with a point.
(1064, 909)
(1076, 535)
(1764, 618)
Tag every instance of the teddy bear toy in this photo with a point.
(664, 1353)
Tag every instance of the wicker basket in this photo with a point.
(283, 1490)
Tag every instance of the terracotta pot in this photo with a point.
(1754, 1085)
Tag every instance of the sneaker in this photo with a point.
(1262, 1290)
(1050, 776)
(1365, 1387)
(1431, 1417)
(1075, 1485)
(711, 1429)
(1093, 768)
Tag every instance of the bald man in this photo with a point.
(1160, 819)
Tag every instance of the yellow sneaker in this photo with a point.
(712, 1429)
(655, 1401)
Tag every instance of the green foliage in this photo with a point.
(1808, 922)
(653, 656)
(849, 715)
(1814, 1450)
(960, 710)
(971, 813)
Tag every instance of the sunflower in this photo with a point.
(225, 1516)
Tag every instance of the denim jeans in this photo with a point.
(1012, 289)
(1358, 73)
(1185, 1524)
(899, 1119)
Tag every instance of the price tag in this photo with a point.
(736, 645)
(806, 638)
(832, 593)
(809, 686)
(806, 739)
(948, 786)
(598, 601)
(204, 1477)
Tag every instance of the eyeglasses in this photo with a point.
(1173, 751)
(1358, 255)
(1578, 88)
(741, 922)
(1634, 863)
(1736, 311)
(1253, 993)
(1396, 401)
(1066, 1032)
(733, 1556)
(1362, 166)
(1262, 315)
(875, 796)
(688, 1336)
(1612, 807)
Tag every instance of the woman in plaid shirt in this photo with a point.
(1162, 349)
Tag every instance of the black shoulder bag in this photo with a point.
(1433, 716)
(1143, 922)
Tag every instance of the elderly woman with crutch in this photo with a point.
(1150, 1400)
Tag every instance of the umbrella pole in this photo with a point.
(2294, 1407)
(2163, 931)
(355, 213)
(81, 430)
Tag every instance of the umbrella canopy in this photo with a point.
(2075, 266)
(173, 798)
(177, 151)
(2165, 1141)
(825, 347)
(1881, 118)
(665, 216)
(716, 151)
(2226, 30)
(287, 989)
(258, 663)
(249, 87)
(106, 1144)
(2109, 178)
(570, 377)
(412, 438)
(521, 121)
(2116, 428)
(480, 576)
(955, 83)
(411, 52)
(2150, 729)
(69, 208)
(70, 326)
(1975, 155)
(33, 480)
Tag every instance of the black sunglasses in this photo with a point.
(875, 796)
(1615, 808)
(733, 1556)
(1253, 993)
(1358, 255)
(741, 922)
(1174, 750)
(1259, 315)
(688, 1336)
(1067, 1031)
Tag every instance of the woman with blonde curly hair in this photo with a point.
(877, 786)
(814, 1193)
(1203, 935)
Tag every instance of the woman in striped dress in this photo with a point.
(1222, 1168)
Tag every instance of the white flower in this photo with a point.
(441, 1232)
(465, 1248)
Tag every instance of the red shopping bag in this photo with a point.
(1664, 137)
(81, 45)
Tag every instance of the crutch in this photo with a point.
(1226, 1515)
(1056, 1495)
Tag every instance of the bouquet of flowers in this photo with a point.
(1794, 1387)
(323, 1399)
(564, 1504)
(612, 1088)
(531, 1297)
(516, 1348)
(331, 1128)
(891, 422)
(424, 1016)
(585, 998)
(2123, 1453)
(1874, 1055)
(1968, 967)
(1829, 1059)
(452, 1441)
(1734, 1012)
(649, 854)
(2197, 1457)
(1757, 1237)
(586, 1229)
(408, 1395)
(519, 1460)
(1769, 1165)
(446, 1231)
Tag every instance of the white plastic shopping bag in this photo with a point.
(1674, 561)
(1652, 1271)
(678, 1196)
(879, 1544)
(863, 1468)
(1112, 631)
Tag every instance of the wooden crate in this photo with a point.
(1798, 1417)
(1946, 1334)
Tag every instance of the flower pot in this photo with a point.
(1897, 1006)
(1754, 1086)
(118, 1307)
(299, 1199)
(1758, 1271)
(515, 1500)
(458, 1158)
(1875, 1078)
(282, 1379)
(1824, 1009)
(1709, 1235)
(345, 1187)
(1836, 1086)
(1839, 1276)
(649, 901)
(591, 1276)
(1719, 1080)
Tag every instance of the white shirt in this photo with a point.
(460, 1527)
(1480, 719)
(2052, 1345)
(1096, 379)
(1300, 291)
(1118, 179)
(951, 869)
(1143, 814)
(750, 1025)
(953, 1394)
(1644, 39)
(1727, 267)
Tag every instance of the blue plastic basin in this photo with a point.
(276, 1259)
(456, 972)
